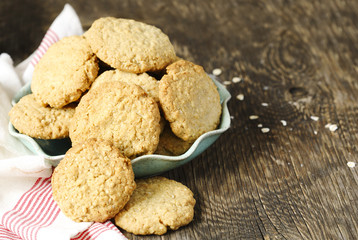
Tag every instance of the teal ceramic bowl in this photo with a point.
(147, 165)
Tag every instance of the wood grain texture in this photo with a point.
(299, 57)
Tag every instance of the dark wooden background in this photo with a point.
(300, 57)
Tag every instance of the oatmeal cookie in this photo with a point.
(120, 113)
(130, 45)
(190, 100)
(93, 182)
(65, 71)
(33, 119)
(157, 204)
(171, 145)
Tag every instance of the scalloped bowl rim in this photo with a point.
(224, 95)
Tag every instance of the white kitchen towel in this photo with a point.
(27, 209)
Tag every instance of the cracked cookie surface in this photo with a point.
(65, 71)
(156, 205)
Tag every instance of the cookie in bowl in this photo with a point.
(120, 113)
(190, 100)
(129, 45)
(31, 118)
(65, 72)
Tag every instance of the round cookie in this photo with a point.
(120, 113)
(157, 204)
(171, 145)
(149, 84)
(65, 71)
(93, 181)
(33, 119)
(189, 100)
(129, 45)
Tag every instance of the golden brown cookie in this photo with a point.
(93, 181)
(129, 45)
(33, 119)
(65, 71)
(190, 100)
(149, 84)
(120, 113)
(157, 204)
(171, 145)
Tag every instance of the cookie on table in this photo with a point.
(93, 182)
(129, 45)
(120, 113)
(149, 84)
(65, 71)
(33, 119)
(189, 99)
(157, 204)
(171, 145)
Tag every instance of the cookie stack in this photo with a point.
(118, 92)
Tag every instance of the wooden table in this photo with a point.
(298, 66)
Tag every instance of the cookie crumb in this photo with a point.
(284, 123)
(315, 132)
(265, 130)
(265, 88)
(236, 79)
(217, 71)
(227, 82)
(253, 117)
(351, 164)
(259, 125)
(264, 104)
(240, 97)
(314, 118)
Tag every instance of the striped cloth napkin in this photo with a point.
(27, 209)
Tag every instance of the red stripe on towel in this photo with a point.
(35, 209)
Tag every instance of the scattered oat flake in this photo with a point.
(253, 117)
(265, 88)
(227, 82)
(217, 71)
(264, 104)
(284, 123)
(236, 79)
(351, 164)
(314, 118)
(232, 117)
(315, 132)
(331, 127)
(240, 97)
(265, 130)
(259, 125)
